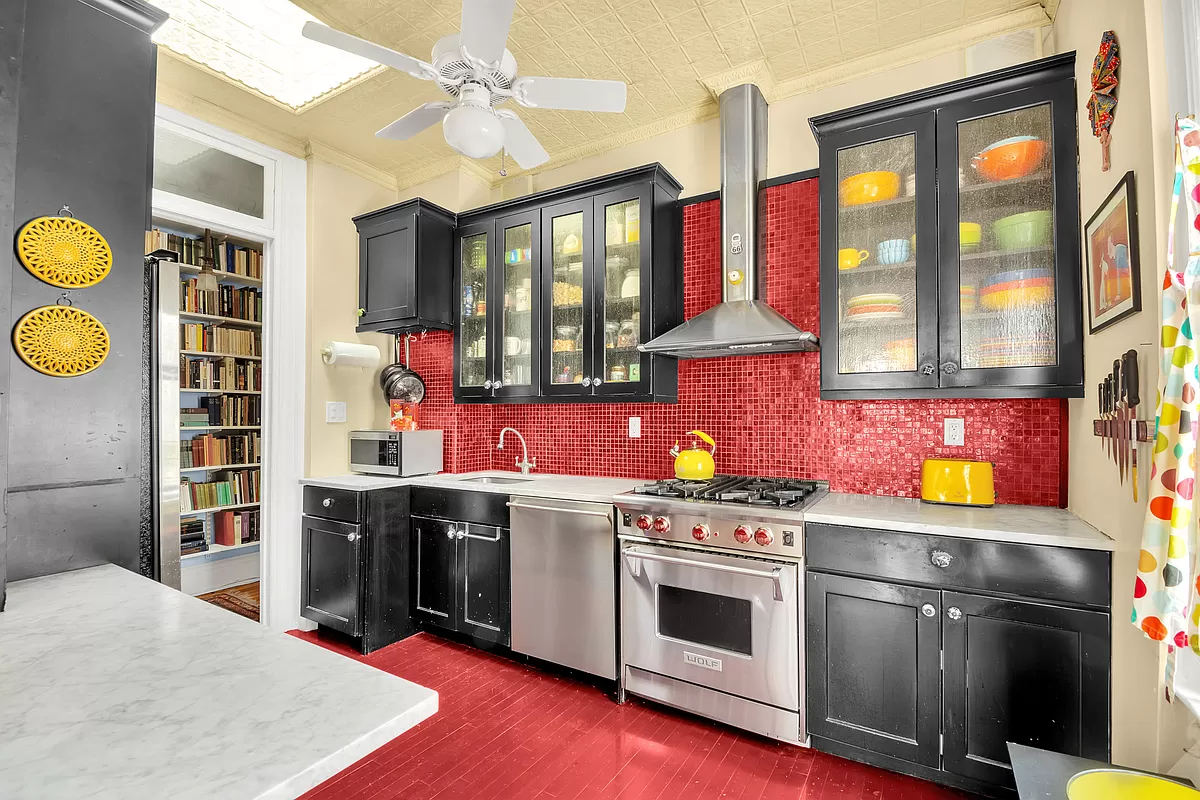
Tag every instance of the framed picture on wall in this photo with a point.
(1111, 258)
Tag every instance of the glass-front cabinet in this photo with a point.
(558, 291)
(950, 241)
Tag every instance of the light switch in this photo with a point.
(335, 412)
(635, 427)
(955, 432)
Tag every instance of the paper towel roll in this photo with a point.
(350, 354)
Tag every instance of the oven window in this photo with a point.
(368, 452)
(711, 620)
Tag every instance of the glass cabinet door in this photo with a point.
(882, 250)
(566, 233)
(516, 339)
(472, 343)
(622, 250)
(1003, 274)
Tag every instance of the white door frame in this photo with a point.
(283, 232)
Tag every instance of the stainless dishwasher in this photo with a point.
(564, 583)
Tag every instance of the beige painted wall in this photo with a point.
(1146, 731)
(334, 196)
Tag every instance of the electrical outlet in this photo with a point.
(635, 427)
(955, 432)
(335, 412)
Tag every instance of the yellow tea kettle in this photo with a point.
(695, 464)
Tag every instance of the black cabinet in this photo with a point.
(926, 661)
(950, 262)
(403, 257)
(460, 567)
(355, 551)
(556, 290)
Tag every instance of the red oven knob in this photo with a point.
(644, 522)
(700, 532)
(742, 533)
(662, 524)
(764, 536)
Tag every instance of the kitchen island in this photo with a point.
(115, 686)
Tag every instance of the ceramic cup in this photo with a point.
(849, 258)
(893, 251)
(512, 345)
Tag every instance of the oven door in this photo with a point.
(724, 622)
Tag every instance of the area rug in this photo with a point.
(242, 600)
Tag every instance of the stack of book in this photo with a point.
(193, 417)
(210, 339)
(190, 250)
(230, 488)
(227, 301)
(209, 450)
(228, 257)
(238, 260)
(191, 537)
(235, 527)
(235, 409)
(227, 373)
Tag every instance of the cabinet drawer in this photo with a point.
(482, 508)
(340, 504)
(1049, 573)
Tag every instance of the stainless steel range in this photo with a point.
(712, 598)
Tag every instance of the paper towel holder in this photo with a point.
(350, 354)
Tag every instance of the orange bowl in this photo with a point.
(1008, 161)
(869, 187)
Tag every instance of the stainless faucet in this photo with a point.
(523, 463)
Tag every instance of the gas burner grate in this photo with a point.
(734, 490)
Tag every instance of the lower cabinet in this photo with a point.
(933, 680)
(461, 577)
(331, 571)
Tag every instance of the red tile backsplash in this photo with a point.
(765, 412)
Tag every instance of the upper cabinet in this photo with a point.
(556, 290)
(950, 240)
(403, 282)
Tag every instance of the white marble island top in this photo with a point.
(114, 686)
(536, 484)
(1055, 527)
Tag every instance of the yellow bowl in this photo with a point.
(970, 233)
(869, 187)
(1016, 298)
(1118, 784)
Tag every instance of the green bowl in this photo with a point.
(1021, 231)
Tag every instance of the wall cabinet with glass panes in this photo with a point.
(950, 253)
(556, 290)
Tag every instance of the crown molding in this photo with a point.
(756, 72)
(314, 149)
(139, 14)
(479, 172)
(224, 118)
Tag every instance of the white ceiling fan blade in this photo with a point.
(414, 121)
(368, 50)
(520, 143)
(570, 94)
(484, 28)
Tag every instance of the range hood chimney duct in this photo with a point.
(742, 323)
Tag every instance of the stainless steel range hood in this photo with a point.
(741, 324)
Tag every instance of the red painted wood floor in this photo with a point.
(504, 730)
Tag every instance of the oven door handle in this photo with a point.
(633, 554)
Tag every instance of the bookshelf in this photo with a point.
(220, 394)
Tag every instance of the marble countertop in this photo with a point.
(557, 487)
(1001, 523)
(115, 686)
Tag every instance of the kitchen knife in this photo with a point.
(1119, 410)
(1132, 399)
(1108, 432)
(1100, 403)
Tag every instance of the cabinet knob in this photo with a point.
(954, 612)
(487, 384)
(928, 368)
(597, 382)
(928, 610)
(497, 385)
(587, 381)
(351, 537)
(450, 534)
(461, 534)
(941, 559)
(327, 502)
(949, 368)
(362, 311)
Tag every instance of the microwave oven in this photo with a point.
(396, 453)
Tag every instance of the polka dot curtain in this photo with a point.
(1165, 604)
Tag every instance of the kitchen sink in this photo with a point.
(491, 479)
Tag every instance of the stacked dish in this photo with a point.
(967, 297)
(1017, 289)
(903, 353)
(874, 306)
(1023, 231)
(1010, 158)
(1006, 352)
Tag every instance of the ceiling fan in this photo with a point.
(479, 74)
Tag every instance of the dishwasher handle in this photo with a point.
(581, 511)
(774, 575)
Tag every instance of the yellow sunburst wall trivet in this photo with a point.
(65, 252)
(61, 341)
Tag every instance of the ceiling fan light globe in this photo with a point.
(474, 132)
